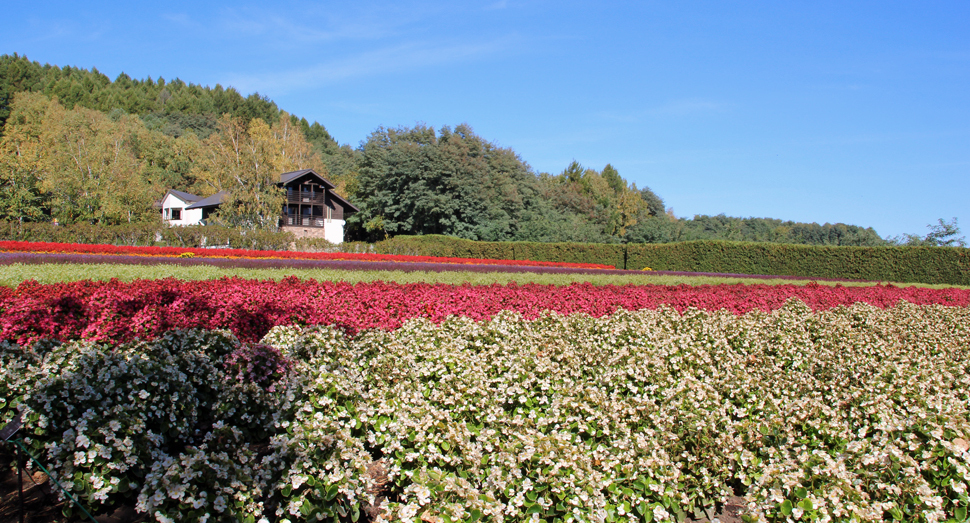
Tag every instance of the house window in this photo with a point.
(176, 214)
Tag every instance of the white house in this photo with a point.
(173, 208)
(311, 208)
(182, 208)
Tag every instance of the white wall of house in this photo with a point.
(187, 216)
(333, 231)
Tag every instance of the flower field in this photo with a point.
(293, 400)
(77, 248)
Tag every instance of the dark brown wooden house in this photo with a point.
(312, 209)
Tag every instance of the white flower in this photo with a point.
(408, 512)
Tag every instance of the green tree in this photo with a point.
(78, 164)
(945, 234)
(655, 204)
(419, 181)
(942, 234)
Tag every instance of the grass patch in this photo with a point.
(12, 275)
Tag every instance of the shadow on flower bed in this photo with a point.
(177, 426)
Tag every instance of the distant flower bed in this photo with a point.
(119, 311)
(75, 248)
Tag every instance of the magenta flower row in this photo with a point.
(117, 311)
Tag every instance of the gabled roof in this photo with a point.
(286, 178)
(211, 201)
(182, 195)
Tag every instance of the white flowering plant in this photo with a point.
(847, 414)
(321, 449)
(110, 416)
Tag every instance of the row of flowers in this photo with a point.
(120, 311)
(855, 413)
(74, 248)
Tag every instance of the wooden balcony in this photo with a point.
(313, 198)
(302, 221)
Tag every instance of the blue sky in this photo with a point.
(852, 112)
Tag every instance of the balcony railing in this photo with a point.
(303, 221)
(305, 197)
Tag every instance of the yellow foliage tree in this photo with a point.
(83, 164)
(245, 160)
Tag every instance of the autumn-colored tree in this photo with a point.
(93, 171)
(79, 163)
(245, 159)
(21, 156)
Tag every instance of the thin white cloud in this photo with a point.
(48, 30)
(400, 58)
(181, 19)
(689, 106)
(311, 27)
(681, 107)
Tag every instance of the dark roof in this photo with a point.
(286, 178)
(347, 205)
(211, 201)
(184, 196)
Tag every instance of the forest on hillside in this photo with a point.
(77, 146)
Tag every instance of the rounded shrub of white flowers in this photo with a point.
(131, 421)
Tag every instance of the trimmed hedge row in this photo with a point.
(438, 245)
(943, 265)
(152, 234)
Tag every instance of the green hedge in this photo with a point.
(445, 246)
(146, 234)
(450, 246)
(947, 265)
(944, 265)
(128, 234)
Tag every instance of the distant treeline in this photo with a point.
(79, 147)
(723, 227)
